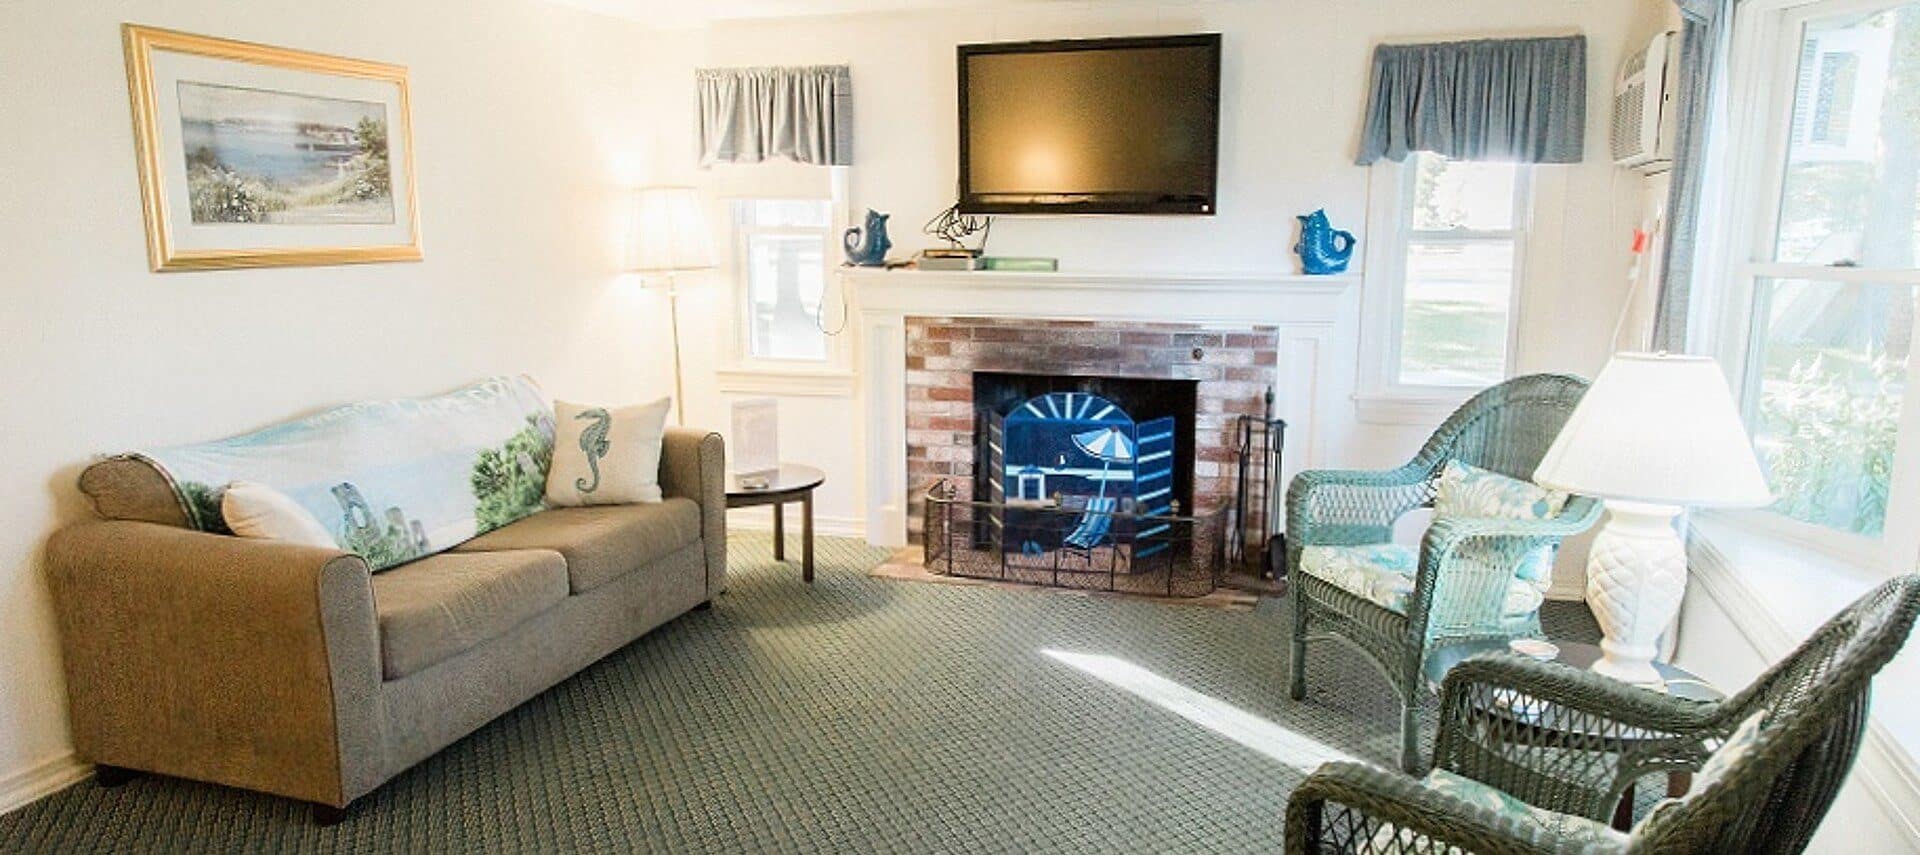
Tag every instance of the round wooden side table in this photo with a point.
(793, 482)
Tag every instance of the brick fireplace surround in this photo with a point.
(1303, 331)
(1232, 364)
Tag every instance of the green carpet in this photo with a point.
(852, 715)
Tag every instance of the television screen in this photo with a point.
(1100, 126)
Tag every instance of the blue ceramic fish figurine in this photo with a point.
(1323, 249)
(867, 246)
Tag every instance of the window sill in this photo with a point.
(1399, 408)
(821, 381)
(1777, 591)
(1798, 585)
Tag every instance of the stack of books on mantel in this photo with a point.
(948, 259)
(971, 259)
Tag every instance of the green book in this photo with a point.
(1030, 265)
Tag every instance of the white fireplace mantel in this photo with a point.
(1316, 316)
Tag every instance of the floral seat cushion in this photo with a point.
(1382, 573)
(1563, 827)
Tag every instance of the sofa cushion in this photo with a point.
(600, 543)
(435, 608)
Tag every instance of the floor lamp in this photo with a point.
(671, 235)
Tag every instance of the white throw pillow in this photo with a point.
(606, 456)
(259, 511)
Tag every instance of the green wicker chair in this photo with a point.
(1767, 796)
(1465, 566)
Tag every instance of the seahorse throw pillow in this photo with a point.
(606, 455)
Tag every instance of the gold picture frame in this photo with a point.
(300, 159)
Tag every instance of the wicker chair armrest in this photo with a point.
(1579, 690)
(1478, 588)
(1348, 506)
(1351, 807)
(1446, 534)
(1498, 711)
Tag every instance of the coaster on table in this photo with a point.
(1534, 648)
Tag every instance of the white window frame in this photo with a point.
(746, 373)
(1764, 67)
(1382, 398)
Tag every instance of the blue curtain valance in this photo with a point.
(1705, 41)
(804, 114)
(1501, 99)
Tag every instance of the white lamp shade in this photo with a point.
(670, 231)
(1657, 428)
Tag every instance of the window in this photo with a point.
(783, 252)
(1458, 266)
(1823, 341)
(787, 308)
(1832, 104)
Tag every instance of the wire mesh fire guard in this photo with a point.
(1066, 544)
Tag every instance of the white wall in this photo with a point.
(1294, 86)
(529, 120)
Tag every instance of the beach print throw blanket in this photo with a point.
(391, 480)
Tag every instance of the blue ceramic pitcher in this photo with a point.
(867, 246)
(1323, 249)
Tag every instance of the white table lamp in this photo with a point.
(671, 235)
(1654, 434)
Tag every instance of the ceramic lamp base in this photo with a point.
(1635, 578)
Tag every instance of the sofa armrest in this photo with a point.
(243, 662)
(693, 465)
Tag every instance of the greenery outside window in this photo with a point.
(1824, 300)
(1460, 273)
(1443, 274)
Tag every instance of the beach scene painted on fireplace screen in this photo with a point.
(265, 156)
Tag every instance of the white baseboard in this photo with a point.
(1885, 769)
(1567, 592)
(35, 782)
(760, 519)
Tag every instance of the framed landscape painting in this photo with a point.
(257, 156)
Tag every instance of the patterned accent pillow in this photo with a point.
(605, 456)
(1464, 490)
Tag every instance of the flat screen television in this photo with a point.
(1092, 126)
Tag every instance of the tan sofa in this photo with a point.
(293, 670)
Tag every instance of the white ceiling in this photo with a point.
(675, 14)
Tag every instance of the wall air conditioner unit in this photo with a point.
(1643, 104)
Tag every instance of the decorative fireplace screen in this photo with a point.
(1090, 548)
(1078, 495)
(1081, 450)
